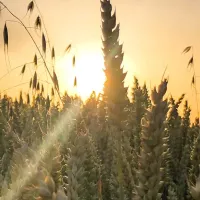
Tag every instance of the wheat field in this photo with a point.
(58, 147)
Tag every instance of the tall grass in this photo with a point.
(106, 149)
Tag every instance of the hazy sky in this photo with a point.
(154, 34)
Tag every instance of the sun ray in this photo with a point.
(66, 119)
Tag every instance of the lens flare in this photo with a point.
(62, 128)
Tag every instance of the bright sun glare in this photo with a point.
(89, 73)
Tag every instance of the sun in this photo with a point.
(89, 73)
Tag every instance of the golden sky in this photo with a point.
(154, 34)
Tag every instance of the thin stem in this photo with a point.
(15, 69)
(47, 35)
(164, 73)
(34, 44)
(44, 81)
(43, 23)
(2, 9)
(15, 86)
(31, 27)
(13, 21)
(195, 87)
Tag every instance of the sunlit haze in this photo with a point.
(153, 33)
(88, 70)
